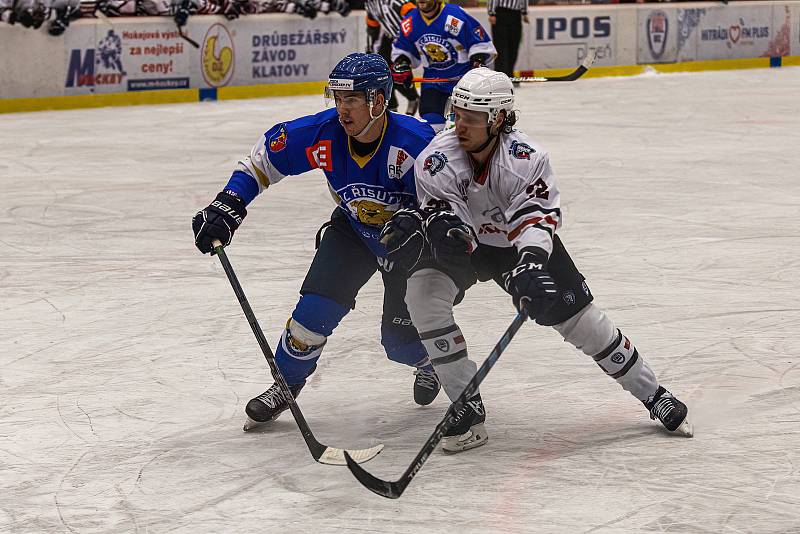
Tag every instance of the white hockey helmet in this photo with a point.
(484, 89)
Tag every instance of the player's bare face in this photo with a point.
(352, 109)
(428, 7)
(471, 128)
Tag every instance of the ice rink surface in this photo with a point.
(126, 362)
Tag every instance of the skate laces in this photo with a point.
(427, 379)
(663, 407)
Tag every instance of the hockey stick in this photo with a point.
(571, 77)
(393, 490)
(321, 453)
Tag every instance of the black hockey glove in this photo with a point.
(185, 9)
(218, 221)
(401, 72)
(529, 284)
(479, 60)
(451, 240)
(343, 7)
(402, 235)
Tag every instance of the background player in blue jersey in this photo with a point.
(367, 155)
(448, 43)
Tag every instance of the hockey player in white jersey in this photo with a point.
(492, 211)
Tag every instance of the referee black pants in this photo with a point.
(507, 35)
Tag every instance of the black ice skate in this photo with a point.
(672, 413)
(426, 386)
(412, 107)
(469, 431)
(268, 406)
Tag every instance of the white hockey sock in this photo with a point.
(594, 333)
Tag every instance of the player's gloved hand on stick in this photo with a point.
(403, 237)
(529, 284)
(479, 60)
(218, 221)
(401, 72)
(450, 238)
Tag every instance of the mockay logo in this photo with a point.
(97, 66)
(341, 85)
(657, 25)
(453, 25)
(734, 33)
(553, 28)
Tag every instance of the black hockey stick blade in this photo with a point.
(321, 453)
(394, 489)
(571, 77)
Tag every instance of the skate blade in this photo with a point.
(477, 437)
(251, 424)
(685, 429)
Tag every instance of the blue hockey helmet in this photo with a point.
(361, 72)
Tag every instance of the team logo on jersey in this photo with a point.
(398, 163)
(453, 25)
(320, 155)
(434, 163)
(438, 51)
(406, 26)
(370, 212)
(657, 25)
(479, 33)
(521, 150)
(277, 141)
(489, 228)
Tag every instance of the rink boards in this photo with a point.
(129, 61)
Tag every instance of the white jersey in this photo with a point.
(514, 202)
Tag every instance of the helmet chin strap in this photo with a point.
(370, 103)
(491, 138)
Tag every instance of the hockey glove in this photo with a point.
(218, 221)
(479, 60)
(529, 284)
(451, 240)
(402, 235)
(401, 72)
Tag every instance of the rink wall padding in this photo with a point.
(143, 60)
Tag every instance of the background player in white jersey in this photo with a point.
(495, 211)
(448, 42)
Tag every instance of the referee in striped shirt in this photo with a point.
(506, 18)
(383, 27)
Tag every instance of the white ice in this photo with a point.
(126, 360)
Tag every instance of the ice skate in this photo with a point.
(412, 107)
(268, 406)
(426, 386)
(672, 413)
(469, 431)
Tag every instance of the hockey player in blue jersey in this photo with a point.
(367, 155)
(447, 42)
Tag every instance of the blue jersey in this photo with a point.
(442, 45)
(368, 189)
